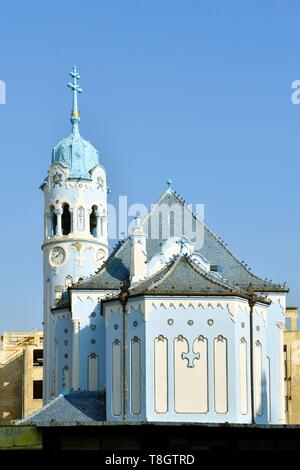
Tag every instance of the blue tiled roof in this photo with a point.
(182, 276)
(74, 408)
(116, 268)
(112, 274)
(213, 249)
(76, 154)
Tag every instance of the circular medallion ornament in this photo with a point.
(57, 256)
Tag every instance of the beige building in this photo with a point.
(292, 366)
(21, 374)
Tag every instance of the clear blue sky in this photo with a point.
(199, 91)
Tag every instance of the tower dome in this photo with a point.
(74, 152)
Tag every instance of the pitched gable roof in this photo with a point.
(213, 248)
(74, 408)
(112, 273)
(116, 269)
(182, 276)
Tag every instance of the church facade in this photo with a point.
(168, 329)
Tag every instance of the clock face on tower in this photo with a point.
(57, 256)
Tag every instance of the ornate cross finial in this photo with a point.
(182, 242)
(169, 182)
(75, 114)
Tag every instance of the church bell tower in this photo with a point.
(75, 223)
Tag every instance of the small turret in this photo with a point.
(138, 253)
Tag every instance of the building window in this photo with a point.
(93, 372)
(190, 375)
(258, 378)
(172, 224)
(268, 388)
(93, 221)
(243, 377)
(117, 393)
(286, 403)
(66, 220)
(66, 379)
(37, 357)
(285, 370)
(161, 374)
(52, 222)
(135, 376)
(37, 389)
(220, 374)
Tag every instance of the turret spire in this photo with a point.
(75, 113)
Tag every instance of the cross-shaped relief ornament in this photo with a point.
(190, 355)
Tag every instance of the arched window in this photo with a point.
(117, 392)
(220, 374)
(161, 374)
(52, 222)
(172, 224)
(66, 220)
(93, 372)
(258, 389)
(66, 379)
(135, 375)
(93, 221)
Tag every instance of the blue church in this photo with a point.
(170, 326)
